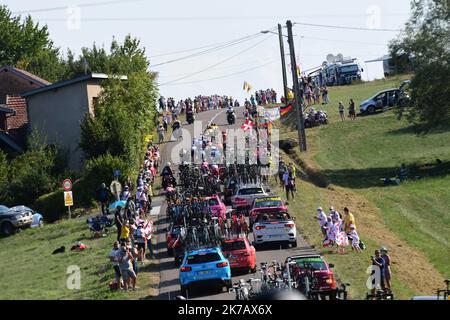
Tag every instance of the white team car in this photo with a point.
(275, 227)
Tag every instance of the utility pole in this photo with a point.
(283, 63)
(298, 98)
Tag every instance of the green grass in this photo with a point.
(30, 271)
(354, 156)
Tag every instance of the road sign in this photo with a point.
(68, 199)
(116, 173)
(67, 184)
(116, 189)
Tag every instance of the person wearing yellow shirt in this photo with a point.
(125, 232)
(349, 220)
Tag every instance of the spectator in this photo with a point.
(351, 110)
(114, 257)
(103, 197)
(126, 268)
(161, 131)
(118, 222)
(341, 110)
(380, 263)
(387, 268)
(354, 237)
(322, 219)
(141, 241)
(349, 219)
(125, 231)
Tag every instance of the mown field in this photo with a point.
(31, 271)
(412, 219)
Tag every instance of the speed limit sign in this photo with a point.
(67, 184)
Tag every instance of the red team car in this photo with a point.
(240, 253)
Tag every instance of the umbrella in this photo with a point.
(116, 204)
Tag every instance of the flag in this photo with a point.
(247, 125)
(298, 70)
(247, 86)
(286, 109)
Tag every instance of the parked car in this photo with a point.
(266, 204)
(274, 227)
(217, 207)
(386, 98)
(322, 271)
(240, 253)
(12, 219)
(204, 266)
(38, 219)
(244, 196)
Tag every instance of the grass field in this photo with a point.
(31, 271)
(411, 219)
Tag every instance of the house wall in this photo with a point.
(93, 90)
(58, 114)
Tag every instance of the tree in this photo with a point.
(425, 43)
(26, 45)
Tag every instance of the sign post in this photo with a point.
(68, 196)
(116, 189)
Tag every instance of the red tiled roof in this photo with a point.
(18, 104)
(27, 75)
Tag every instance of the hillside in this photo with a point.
(411, 220)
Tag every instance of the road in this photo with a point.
(169, 284)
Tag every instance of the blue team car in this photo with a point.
(206, 266)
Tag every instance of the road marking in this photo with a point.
(217, 114)
(155, 211)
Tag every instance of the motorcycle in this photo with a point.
(231, 118)
(190, 117)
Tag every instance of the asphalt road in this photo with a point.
(169, 283)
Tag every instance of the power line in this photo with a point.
(218, 63)
(224, 76)
(344, 41)
(220, 47)
(345, 27)
(82, 5)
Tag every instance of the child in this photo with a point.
(353, 235)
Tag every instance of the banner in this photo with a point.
(273, 113)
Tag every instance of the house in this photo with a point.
(13, 110)
(57, 111)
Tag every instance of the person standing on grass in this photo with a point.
(125, 231)
(351, 110)
(161, 131)
(348, 220)
(354, 237)
(118, 222)
(387, 268)
(114, 257)
(126, 268)
(380, 263)
(322, 219)
(341, 110)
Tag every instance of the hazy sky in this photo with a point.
(177, 25)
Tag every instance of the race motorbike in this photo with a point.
(231, 118)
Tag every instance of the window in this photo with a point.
(268, 203)
(235, 245)
(203, 258)
(314, 263)
(251, 191)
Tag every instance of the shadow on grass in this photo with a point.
(372, 177)
(417, 130)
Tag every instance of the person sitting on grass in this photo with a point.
(354, 237)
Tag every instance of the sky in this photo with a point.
(165, 27)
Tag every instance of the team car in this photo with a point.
(274, 227)
(240, 253)
(266, 204)
(204, 266)
(323, 273)
(217, 207)
(244, 196)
